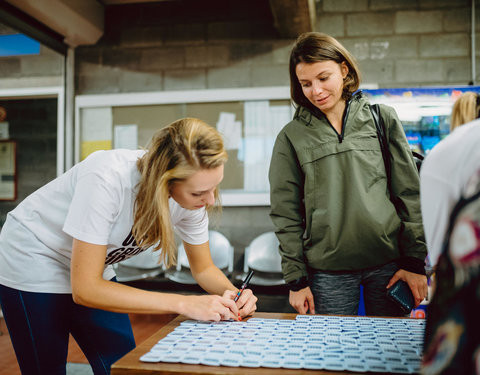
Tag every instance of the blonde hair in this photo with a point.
(465, 109)
(174, 154)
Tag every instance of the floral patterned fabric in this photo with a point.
(452, 336)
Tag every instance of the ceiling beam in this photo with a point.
(293, 17)
(24, 23)
(79, 21)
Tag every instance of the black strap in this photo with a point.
(407, 263)
(382, 138)
(418, 155)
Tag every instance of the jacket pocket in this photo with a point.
(335, 170)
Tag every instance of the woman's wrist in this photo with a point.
(412, 264)
(179, 304)
(298, 284)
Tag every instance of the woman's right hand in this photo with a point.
(302, 301)
(209, 307)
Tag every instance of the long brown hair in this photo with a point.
(314, 47)
(174, 154)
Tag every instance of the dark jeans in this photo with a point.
(39, 325)
(339, 292)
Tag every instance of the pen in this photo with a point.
(244, 285)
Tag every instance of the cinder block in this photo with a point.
(85, 57)
(10, 66)
(445, 45)
(191, 79)
(392, 4)
(186, 33)
(377, 71)
(41, 65)
(392, 47)
(458, 20)
(419, 71)
(276, 75)
(99, 80)
(343, 6)
(333, 25)
(429, 4)
(358, 47)
(228, 31)
(251, 53)
(281, 51)
(20, 82)
(418, 22)
(162, 58)
(123, 58)
(370, 24)
(458, 71)
(228, 77)
(130, 81)
(207, 56)
(151, 36)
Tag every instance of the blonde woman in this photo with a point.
(58, 245)
(465, 109)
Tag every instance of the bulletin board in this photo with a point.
(248, 119)
(8, 170)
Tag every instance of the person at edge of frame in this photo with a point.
(58, 245)
(438, 193)
(450, 199)
(337, 225)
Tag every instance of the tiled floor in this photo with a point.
(143, 327)
(79, 369)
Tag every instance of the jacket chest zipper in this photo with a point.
(341, 135)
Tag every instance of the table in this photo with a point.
(130, 364)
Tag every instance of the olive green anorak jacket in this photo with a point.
(329, 198)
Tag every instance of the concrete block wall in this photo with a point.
(33, 125)
(160, 47)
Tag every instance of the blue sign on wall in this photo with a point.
(18, 44)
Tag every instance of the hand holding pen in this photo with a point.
(244, 285)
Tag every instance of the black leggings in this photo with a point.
(339, 292)
(39, 325)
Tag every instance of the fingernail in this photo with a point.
(239, 318)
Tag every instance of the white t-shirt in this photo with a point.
(443, 178)
(92, 202)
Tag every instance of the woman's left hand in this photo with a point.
(247, 303)
(417, 283)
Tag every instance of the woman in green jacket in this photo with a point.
(336, 224)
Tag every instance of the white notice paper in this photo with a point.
(125, 136)
(230, 129)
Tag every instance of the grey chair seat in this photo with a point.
(262, 256)
(222, 256)
(139, 267)
(127, 273)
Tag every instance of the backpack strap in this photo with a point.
(382, 138)
(459, 206)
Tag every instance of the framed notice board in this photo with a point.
(249, 120)
(8, 170)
